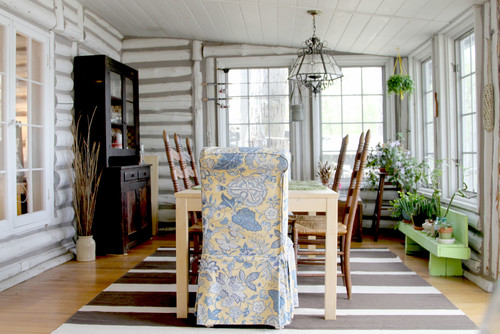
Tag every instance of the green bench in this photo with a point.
(444, 259)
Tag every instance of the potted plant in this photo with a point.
(412, 207)
(400, 84)
(325, 172)
(391, 157)
(86, 177)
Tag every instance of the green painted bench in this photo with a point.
(444, 259)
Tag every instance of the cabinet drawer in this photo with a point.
(130, 175)
(144, 173)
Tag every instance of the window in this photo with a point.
(258, 111)
(467, 115)
(24, 124)
(353, 104)
(428, 112)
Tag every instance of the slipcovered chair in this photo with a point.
(247, 273)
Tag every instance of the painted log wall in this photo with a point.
(27, 253)
(165, 101)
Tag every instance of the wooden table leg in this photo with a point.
(182, 256)
(331, 259)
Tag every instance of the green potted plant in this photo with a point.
(400, 84)
(391, 157)
(412, 207)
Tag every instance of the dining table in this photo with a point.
(303, 196)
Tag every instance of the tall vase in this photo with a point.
(85, 248)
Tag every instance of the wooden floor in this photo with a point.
(43, 303)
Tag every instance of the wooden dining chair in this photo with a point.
(189, 173)
(177, 172)
(306, 226)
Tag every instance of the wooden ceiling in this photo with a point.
(377, 27)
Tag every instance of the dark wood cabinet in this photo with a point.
(106, 93)
(123, 213)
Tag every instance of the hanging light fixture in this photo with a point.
(315, 67)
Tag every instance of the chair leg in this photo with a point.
(347, 273)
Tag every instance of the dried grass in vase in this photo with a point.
(325, 172)
(86, 177)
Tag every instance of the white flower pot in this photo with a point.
(85, 248)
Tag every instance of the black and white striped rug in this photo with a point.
(387, 298)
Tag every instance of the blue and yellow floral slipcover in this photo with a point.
(247, 269)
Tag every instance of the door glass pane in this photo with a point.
(22, 194)
(37, 187)
(36, 104)
(21, 101)
(21, 146)
(21, 56)
(36, 61)
(37, 147)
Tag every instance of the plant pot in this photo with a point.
(418, 221)
(445, 232)
(406, 217)
(85, 248)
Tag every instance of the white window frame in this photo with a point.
(40, 218)
(458, 79)
(441, 49)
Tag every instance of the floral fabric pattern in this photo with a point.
(247, 270)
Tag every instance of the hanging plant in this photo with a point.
(401, 83)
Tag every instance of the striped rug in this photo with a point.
(387, 298)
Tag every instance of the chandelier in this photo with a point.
(315, 67)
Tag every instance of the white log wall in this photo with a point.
(27, 253)
(167, 81)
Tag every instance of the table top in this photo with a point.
(295, 189)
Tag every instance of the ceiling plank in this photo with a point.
(215, 11)
(370, 32)
(234, 17)
(356, 25)
(389, 7)
(254, 23)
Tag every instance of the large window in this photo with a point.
(467, 115)
(353, 104)
(428, 112)
(24, 126)
(258, 108)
